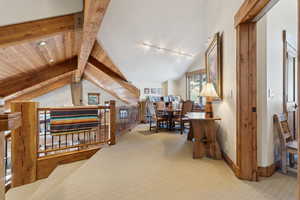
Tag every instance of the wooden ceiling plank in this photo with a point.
(47, 87)
(100, 66)
(59, 48)
(34, 30)
(94, 11)
(29, 52)
(11, 66)
(100, 54)
(15, 84)
(68, 44)
(90, 77)
(106, 81)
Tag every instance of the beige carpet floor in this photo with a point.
(145, 166)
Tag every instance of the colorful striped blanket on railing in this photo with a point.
(71, 120)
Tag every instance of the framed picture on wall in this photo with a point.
(213, 58)
(153, 90)
(93, 98)
(146, 90)
(159, 91)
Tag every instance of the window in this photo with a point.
(195, 82)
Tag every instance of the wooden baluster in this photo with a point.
(24, 144)
(112, 105)
(9, 121)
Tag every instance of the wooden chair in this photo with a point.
(289, 146)
(187, 106)
(155, 117)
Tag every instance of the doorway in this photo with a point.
(246, 26)
(290, 99)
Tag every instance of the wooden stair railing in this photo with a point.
(126, 118)
(8, 122)
(24, 143)
(35, 154)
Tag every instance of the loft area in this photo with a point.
(121, 99)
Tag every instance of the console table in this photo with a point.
(203, 133)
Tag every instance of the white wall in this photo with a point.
(57, 98)
(89, 87)
(181, 87)
(220, 18)
(261, 90)
(147, 84)
(17, 11)
(174, 24)
(282, 17)
(63, 96)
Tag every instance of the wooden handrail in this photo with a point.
(10, 121)
(74, 108)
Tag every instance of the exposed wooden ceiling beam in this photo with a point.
(114, 76)
(94, 81)
(104, 68)
(41, 89)
(29, 31)
(100, 54)
(94, 11)
(251, 8)
(15, 84)
(106, 82)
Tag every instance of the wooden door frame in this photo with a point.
(245, 22)
(289, 49)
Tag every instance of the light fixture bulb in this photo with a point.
(42, 43)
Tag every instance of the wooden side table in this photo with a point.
(203, 133)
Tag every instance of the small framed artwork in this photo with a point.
(146, 90)
(123, 113)
(159, 91)
(153, 90)
(93, 98)
(213, 57)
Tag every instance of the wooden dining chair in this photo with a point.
(155, 117)
(289, 146)
(181, 119)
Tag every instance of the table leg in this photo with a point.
(213, 147)
(198, 146)
(191, 133)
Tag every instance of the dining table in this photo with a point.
(203, 134)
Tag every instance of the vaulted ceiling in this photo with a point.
(46, 44)
(173, 24)
(39, 56)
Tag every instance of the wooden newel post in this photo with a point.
(8, 121)
(24, 144)
(112, 105)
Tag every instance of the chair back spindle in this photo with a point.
(283, 128)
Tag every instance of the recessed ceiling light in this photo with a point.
(51, 60)
(42, 43)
